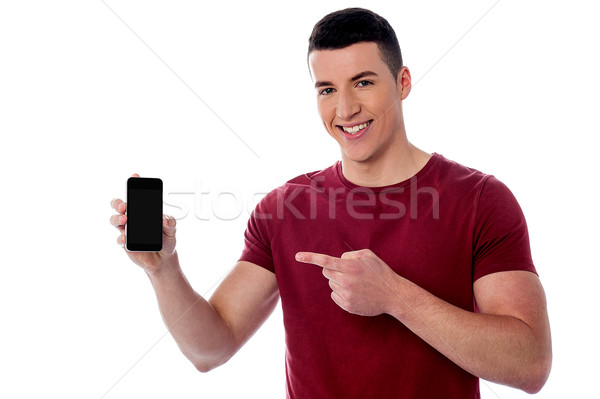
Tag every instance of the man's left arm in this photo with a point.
(507, 342)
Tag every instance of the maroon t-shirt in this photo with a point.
(443, 229)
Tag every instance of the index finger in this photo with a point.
(118, 205)
(325, 261)
(115, 203)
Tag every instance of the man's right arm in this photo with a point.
(210, 332)
(207, 332)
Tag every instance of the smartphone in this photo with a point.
(143, 230)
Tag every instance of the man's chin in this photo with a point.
(357, 157)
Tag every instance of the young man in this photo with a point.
(402, 274)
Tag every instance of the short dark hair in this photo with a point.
(354, 25)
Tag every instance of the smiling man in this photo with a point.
(402, 274)
(360, 103)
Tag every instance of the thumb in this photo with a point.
(169, 224)
(350, 255)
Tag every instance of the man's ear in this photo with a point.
(404, 82)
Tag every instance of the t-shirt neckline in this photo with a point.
(422, 172)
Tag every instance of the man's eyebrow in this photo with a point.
(322, 83)
(363, 74)
(360, 75)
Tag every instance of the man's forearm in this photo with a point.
(200, 332)
(498, 348)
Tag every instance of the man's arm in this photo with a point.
(210, 332)
(507, 342)
(207, 332)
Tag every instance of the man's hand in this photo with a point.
(151, 262)
(361, 282)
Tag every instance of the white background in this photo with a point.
(92, 91)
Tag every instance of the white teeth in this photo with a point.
(355, 129)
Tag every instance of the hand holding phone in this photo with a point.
(150, 261)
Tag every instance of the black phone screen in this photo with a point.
(144, 214)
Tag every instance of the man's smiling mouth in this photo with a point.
(353, 130)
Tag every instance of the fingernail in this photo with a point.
(299, 257)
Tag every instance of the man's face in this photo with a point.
(359, 101)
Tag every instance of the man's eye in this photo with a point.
(364, 83)
(326, 91)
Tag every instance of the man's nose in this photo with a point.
(347, 106)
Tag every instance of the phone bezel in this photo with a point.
(142, 183)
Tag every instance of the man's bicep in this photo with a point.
(513, 293)
(245, 299)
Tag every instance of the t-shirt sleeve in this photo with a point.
(501, 239)
(259, 233)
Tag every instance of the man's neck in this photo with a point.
(386, 170)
